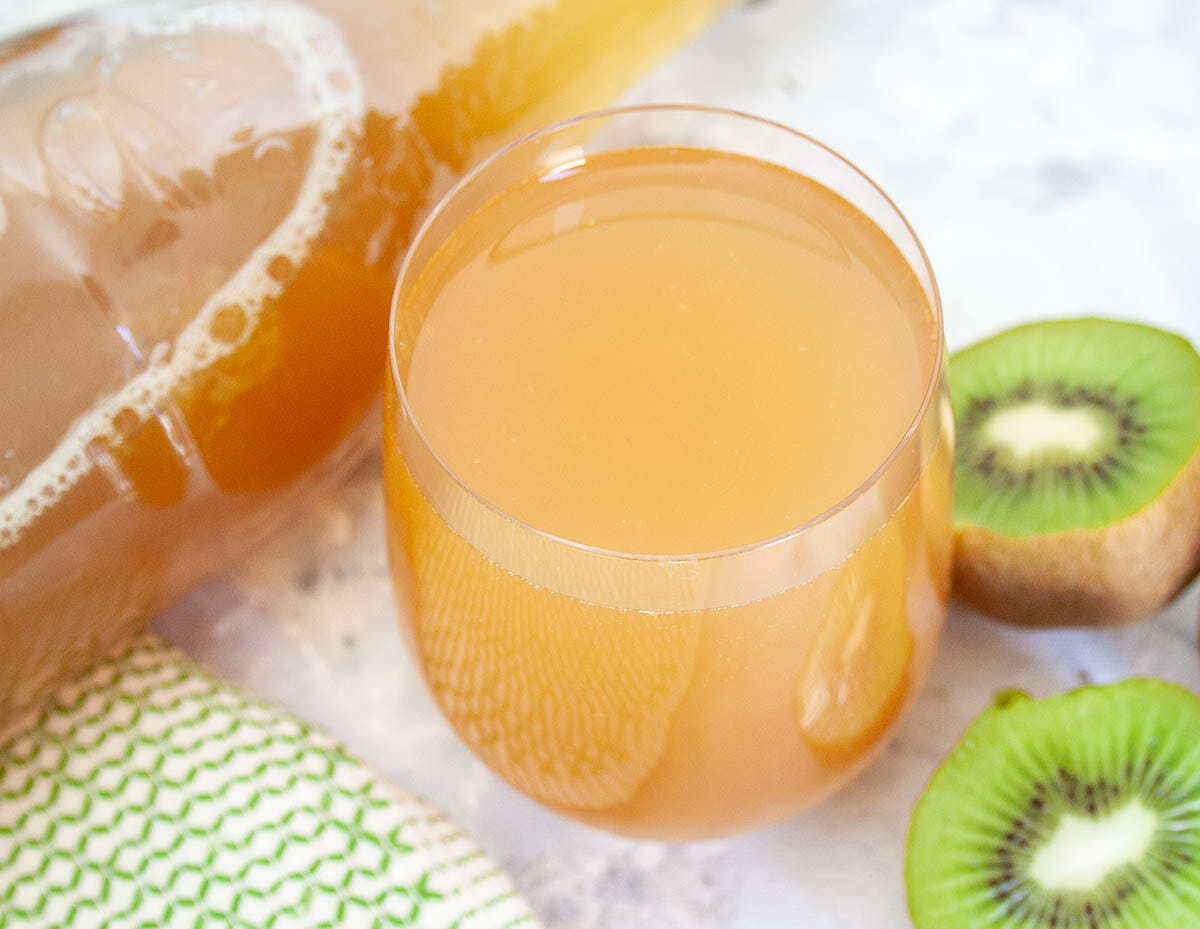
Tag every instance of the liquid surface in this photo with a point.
(668, 351)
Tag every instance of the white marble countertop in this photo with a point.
(1048, 153)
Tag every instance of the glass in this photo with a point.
(649, 692)
(203, 207)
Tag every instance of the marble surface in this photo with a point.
(1048, 153)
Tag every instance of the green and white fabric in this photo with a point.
(150, 794)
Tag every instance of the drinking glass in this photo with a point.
(662, 694)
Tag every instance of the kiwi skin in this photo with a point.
(1111, 576)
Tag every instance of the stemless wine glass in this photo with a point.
(651, 692)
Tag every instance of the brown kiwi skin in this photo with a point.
(1110, 576)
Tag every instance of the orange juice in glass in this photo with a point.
(668, 467)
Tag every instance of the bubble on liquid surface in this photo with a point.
(92, 144)
(282, 270)
(126, 423)
(229, 324)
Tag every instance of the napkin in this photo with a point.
(151, 794)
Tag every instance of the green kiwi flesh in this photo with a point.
(1071, 424)
(1080, 811)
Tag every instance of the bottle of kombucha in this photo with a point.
(203, 206)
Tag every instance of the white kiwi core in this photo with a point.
(1031, 430)
(1082, 852)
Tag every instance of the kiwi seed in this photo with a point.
(1077, 497)
(1080, 811)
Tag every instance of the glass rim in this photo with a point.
(911, 433)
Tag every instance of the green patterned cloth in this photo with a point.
(151, 795)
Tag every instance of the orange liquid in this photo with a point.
(184, 355)
(668, 351)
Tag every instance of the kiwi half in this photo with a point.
(1080, 811)
(1077, 484)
